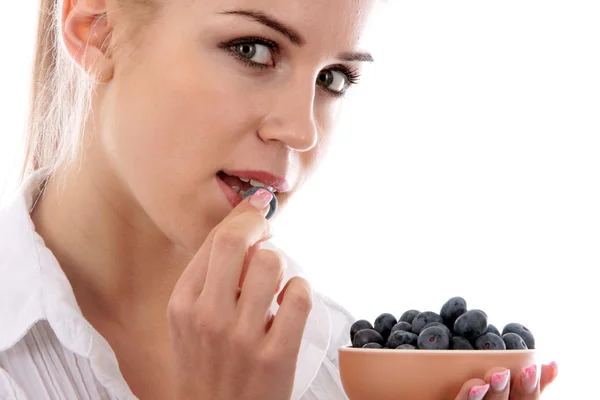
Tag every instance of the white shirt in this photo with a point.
(48, 350)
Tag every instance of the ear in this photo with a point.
(86, 33)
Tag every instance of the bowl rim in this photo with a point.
(350, 349)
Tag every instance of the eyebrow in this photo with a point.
(293, 35)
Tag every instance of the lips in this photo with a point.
(278, 183)
(233, 183)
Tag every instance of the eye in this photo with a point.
(335, 81)
(338, 79)
(255, 52)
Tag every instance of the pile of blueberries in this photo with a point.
(454, 328)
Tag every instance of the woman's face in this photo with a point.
(249, 87)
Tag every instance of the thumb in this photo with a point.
(260, 198)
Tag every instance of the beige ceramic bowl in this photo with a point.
(384, 374)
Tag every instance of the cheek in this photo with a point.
(171, 128)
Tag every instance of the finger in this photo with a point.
(525, 386)
(473, 389)
(193, 278)
(549, 374)
(264, 274)
(499, 380)
(230, 247)
(251, 251)
(287, 329)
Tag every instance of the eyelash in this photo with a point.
(352, 75)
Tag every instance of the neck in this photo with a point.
(122, 267)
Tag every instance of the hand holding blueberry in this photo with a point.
(226, 343)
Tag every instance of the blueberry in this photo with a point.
(471, 324)
(433, 338)
(372, 346)
(406, 347)
(460, 343)
(423, 319)
(521, 331)
(398, 338)
(452, 309)
(408, 316)
(492, 329)
(402, 326)
(489, 341)
(365, 336)
(514, 342)
(444, 327)
(358, 326)
(273, 204)
(384, 324)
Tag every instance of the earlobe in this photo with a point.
(86, 33)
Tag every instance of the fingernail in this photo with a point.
(500, 380)
(261, 198)
(478, 392)
(529, 378)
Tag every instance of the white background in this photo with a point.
(468, 163)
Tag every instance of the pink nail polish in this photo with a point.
(529, 379)
(261, 198)
(478, 392)
(500, 380)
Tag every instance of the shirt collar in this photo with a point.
(33, 287)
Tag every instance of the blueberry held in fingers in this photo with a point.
(384, 324)
(365, 336)
(521, 331)
(471, 324)
(273, 205)
(514, 342)
(433, 338)
(359, 326)
(489, 341)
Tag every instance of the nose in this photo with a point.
(290, 118)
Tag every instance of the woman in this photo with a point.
(131, 266)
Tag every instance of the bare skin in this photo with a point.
(139, 223)
(173, 108)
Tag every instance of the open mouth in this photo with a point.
(241, 185)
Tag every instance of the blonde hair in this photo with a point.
(60, 98)
(61, 92)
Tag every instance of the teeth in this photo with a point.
(237, 189)
(244, 180)
(242, 192)
(260, 184)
